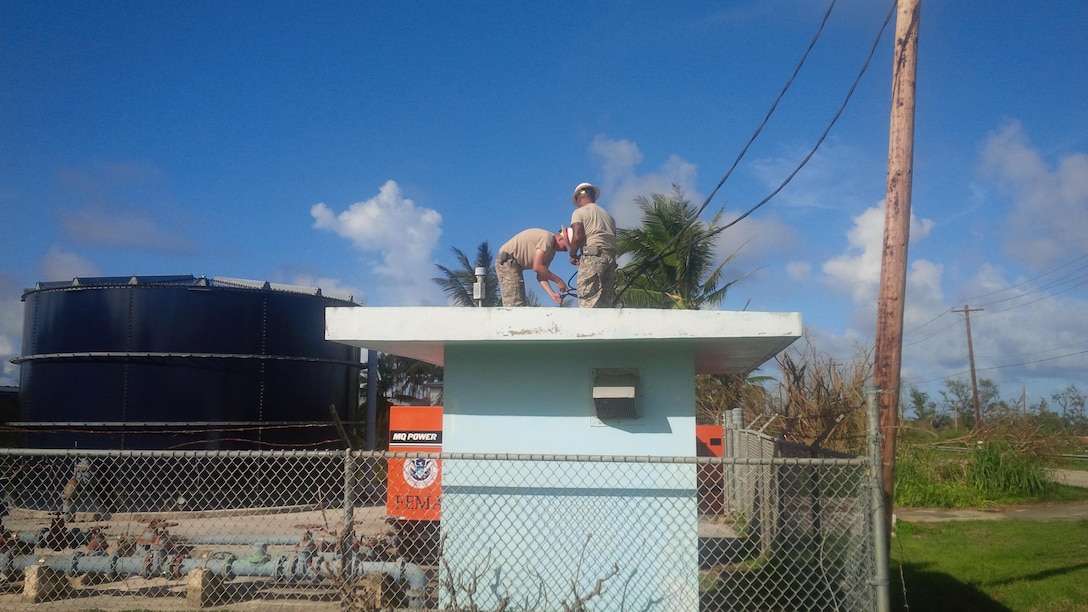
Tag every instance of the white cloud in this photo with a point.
(330, 287)
(924, 294)
(1031, 329)
(750, 243)
(757, 239)
(798, 270)
(59, 264)
(621, 183)
(1027, 329)
(857, 274)
(858, 270)
(1020, 336)
(617, 157)
(402, 234)
(1048, 220)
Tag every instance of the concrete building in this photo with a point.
(571, 383)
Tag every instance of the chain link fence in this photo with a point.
(329, 530)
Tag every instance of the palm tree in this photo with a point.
(672, 256)
(403, 379)
(457, 284)
(672, 267)
(400, 380)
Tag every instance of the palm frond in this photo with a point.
(671, 256)
(457, 283)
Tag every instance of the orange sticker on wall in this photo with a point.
(415, 483)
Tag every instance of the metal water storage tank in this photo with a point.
(179, 362)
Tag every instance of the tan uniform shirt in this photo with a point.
(523, 246)
(600, 227)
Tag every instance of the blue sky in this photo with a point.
(352, 145)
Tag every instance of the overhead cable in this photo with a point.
(771, 110)
(977, 299)
(670, 247)
(999, 367)
(823, 136)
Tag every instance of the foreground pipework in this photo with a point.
(304, 565)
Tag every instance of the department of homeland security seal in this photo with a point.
(420, 473)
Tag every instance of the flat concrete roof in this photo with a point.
(724, 342)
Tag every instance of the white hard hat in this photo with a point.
(587, 186)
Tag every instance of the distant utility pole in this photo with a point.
(888, 352)
(971, 358)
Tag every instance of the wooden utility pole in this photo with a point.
(971, 359)
(888, 351)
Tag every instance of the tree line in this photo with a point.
(955, 407)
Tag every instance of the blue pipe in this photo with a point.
(260, 543)
(303, 566)
(272, 540)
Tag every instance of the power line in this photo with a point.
(670, 248)
(823, 136)
(1056, 348)
(1045, 297)
(942, 313)
(991, 313)
(1034, 361)
(999, 367)
(935, 333)
(1050, 284)
(771, 110)
(1080, 280)
(978, 298)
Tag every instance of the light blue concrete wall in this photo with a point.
(537, 398)
(530, 527)
(565, 522)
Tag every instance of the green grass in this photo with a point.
(1069, 463)
(985, 476)
(986, 565)
(1059, 493)
(990, 566)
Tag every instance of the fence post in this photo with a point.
(741, 493)
(876, 519)
(729, 474)
(348, 536)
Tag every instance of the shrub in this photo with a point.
(991, 472)
(996, 471)
(925, 479)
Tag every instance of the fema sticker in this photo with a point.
(420, 473)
